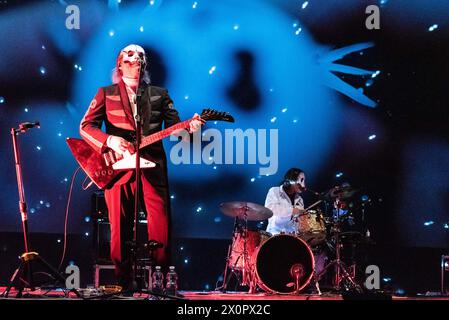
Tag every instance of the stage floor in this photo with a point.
(90, 294)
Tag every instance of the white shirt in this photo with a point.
(279, 202)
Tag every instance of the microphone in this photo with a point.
(24, 126)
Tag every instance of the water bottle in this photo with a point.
(157, 281)
(171, 288)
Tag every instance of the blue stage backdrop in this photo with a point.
(334, 90)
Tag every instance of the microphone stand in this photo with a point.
(138, 173)
(23, 275)
(139, 92)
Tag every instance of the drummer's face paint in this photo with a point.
(300, 183)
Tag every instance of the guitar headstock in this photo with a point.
(214, 115)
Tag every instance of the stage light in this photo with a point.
(59, 134)
(2, 100)
(87, 219)
(369, 83)
(43, 47)
(186, 261)
(32, 210)
(372, 137)
(428, 223)
(41, 202)
(47, 204)
(194, 5)
(295, 120)
(433, 27)
(446, 226)
(65, 179)
(217, 220)
(253, 179)
(186, 97)
(339, 175)
(26, 110)
(375, 74)
(386, 279)
(199, 209)
(365, 198)
(212, 69)
(273, 120)
(141, 29)
(304, 5)
(86, 234)
(59, 240)
(206, 287)
(42, 70)
(298, 31)
(284, 110)
(215, 167)
(172, 196)
(111, 33)
(181, 248)
(236, 26)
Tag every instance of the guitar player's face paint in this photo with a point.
(128, 61)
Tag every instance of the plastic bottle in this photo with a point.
(157, 281)
(171, 287)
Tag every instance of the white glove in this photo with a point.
(119, 145)
(195, 124)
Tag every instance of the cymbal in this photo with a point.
(240, 209)
(340, 192)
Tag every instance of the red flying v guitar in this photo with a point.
(105, 168)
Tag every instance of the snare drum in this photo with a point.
(311, 227)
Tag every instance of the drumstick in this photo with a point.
(295, 216)
(313, 205)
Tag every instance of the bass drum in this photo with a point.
(284, 264)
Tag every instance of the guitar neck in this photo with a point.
(152, 138)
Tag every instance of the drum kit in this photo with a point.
(285, 263)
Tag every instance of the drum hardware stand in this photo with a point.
(247, 274)
(340, 269)
(24, 273)
(226, 279)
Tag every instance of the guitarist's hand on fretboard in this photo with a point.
(196, 123)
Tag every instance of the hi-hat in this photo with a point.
(245, 210)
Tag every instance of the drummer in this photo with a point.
(285, 202)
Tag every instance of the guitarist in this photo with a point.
(115, 106)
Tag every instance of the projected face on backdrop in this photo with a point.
(202, 50)
(248, 58)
